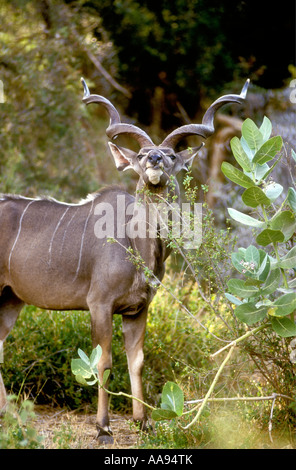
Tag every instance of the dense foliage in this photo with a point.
(192, 48)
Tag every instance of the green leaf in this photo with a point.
(285, 222)
(236, 175)
(92, 382)
(234, 300)
(289, 260)
(264, 268)
(260, 171)
(81, 379)
(250, 314)
(239, 287)
(106, 376)
(268, 150)
(247, 149)
(273, 191)
(265, 128)
(269, 236)
(79, 367)
(285, 305)
(240, 155)
(291, 198)
(245, 219)
(252, 135)
(95, 356)
(237, 259)
(254, 196)
(271, 168)
(272, 282)
(172, 398)
(253, 282)
(283, 326)
(160, 414)
(292, 283)
(83, 356)
(252, 255)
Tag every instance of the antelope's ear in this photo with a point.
(188, 155)
(123, 157)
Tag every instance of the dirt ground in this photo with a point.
(71, 430)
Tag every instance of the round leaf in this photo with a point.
(83, 356)
(268, 150)
(106, 376)
(81, 380)
(292, 199)
(264, 268)
(285, 305)
(253, 197)
(273, 191)
(95, 356)
(234, 300)
(245, 219)
(161, 414)
(252, 255)
(283, 326)
(286, 223)
(239, 287)
(237, 259)
(269, 236)
(289, 260)
(272, 282)
(249, 313)
(172, 398)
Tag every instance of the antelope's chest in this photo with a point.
(137, 298)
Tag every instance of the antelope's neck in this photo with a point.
(150, 193)
(152, 248)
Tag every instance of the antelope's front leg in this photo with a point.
(102, 335)
(133, 328)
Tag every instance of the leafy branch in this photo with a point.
(267, 292)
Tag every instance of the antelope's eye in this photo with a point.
(172, 157)
(139, 157)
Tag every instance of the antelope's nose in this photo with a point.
(154, 158)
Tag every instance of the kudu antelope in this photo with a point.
(50, 256)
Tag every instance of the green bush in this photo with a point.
(39, 349)
(17, 427)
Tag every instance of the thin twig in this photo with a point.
(206, 399)
(270, 417)
(271, 397)
(152, 275)
(238, 340)
(106, 74)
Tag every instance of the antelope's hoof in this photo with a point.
(104, 436)
(106, 439)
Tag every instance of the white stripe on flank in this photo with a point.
(55, 231)
(82, 240)
(18, 233)
(65, 232)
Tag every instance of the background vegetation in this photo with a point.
(161, 63)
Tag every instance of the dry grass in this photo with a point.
(62, 429)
